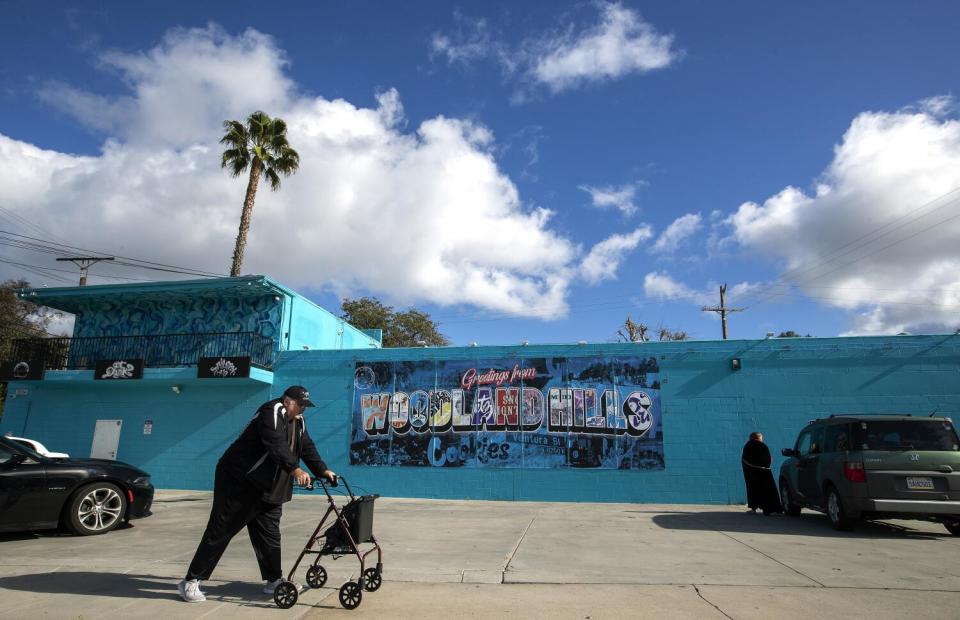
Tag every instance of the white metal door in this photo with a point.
(106, 439)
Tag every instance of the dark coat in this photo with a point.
(761, 489)
(261, 455)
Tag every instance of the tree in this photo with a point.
(260, 145)
(791, 334)
(19, 319)
(664, 334)
(635, 332)
(410, 328)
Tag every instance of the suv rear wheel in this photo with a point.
(786, 498)
(838, 519)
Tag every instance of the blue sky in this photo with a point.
(512, 168)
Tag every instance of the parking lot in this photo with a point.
(484, 559)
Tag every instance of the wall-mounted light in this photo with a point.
(176, 389)
(735, 363)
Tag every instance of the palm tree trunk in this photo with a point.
(245, 217)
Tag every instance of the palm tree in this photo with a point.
(262, 146)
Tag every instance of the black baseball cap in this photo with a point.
(299, 394)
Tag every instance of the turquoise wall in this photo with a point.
(312, 327)
(708, 411)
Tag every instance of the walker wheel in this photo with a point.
(350, 595)
(316, 576)
(285, 595)
(372, 580)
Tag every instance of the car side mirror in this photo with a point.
(789, 452)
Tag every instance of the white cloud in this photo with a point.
(620, 44)
(603, 260)
(620, 197)
(878, 236)
(419, 216)
(184, 88)
(680, 229)
(662, 286)
(471, 42)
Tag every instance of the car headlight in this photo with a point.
(142, 481)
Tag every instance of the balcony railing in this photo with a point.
(164, 350)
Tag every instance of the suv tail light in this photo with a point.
(854, 472)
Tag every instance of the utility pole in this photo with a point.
(84, 262)
(722, 310)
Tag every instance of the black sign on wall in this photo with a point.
(119, 370)
(223, 367)
(22, 370)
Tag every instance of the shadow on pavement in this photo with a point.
(808, 524)
(55, 533)
(131, 586)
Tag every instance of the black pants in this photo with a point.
(237, 504)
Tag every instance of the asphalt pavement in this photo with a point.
(476, 559)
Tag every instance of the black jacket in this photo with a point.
(261, 454)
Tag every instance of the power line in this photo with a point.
(722, 310)
(878, 250)
(84, 263)
(99, 275)
(19, 219)
(50, 247)
(864, 241)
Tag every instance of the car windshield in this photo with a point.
(26, 449)
(934, 435)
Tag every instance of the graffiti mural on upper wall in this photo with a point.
(593, 412)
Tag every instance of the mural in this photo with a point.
(181, 315)
(601, 413)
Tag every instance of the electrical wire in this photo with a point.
(864, 241)
(49, 247)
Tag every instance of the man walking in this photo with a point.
(254, 478)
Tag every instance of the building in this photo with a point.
(165, 375)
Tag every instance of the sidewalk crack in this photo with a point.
(769, 557)
(513, 552)
(708, 602)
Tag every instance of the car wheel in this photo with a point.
(95, 509)
(953, 527)
(835, 511)
(786, 498)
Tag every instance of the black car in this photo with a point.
(85, 496)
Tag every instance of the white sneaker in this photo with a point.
(272, 585)
(190, 591)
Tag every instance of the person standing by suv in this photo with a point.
(254, 478)
(761, 490)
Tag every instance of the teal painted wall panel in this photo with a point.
(708, 411)
(312, 328)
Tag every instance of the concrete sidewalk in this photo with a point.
(486, 559)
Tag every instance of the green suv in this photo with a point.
(875, 467)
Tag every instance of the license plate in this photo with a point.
(920, 483)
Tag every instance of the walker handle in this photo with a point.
(323, 481)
